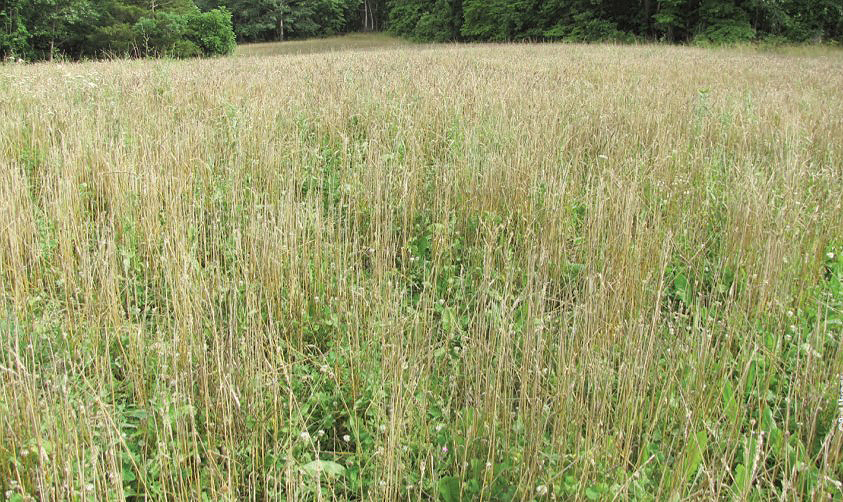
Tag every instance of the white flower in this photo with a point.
(382, 428)
(320, 433)
(541, 490)
(382, 483)
(439, 427)
(488, 465)
(89, 487)
(305, 435)
(346, 438)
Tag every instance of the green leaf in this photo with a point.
(694, 451)
(749, 451)
(750, 379)
(740, 480)
(128, 475)
(768, 424)
(730, 405)
(318, 467)
(449, 489)
(683, 287)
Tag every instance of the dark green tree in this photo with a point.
(14, 37)
(56, 26)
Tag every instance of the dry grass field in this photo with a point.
(353, 41)
(485, 272)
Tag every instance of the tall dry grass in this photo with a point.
(494, 272)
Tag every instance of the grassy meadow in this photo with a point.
(480, 272)
(352, 41)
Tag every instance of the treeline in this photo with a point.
(704, 21)
(271, 20)
(47, 29)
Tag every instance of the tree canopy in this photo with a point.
(712, 21)
(44, 29)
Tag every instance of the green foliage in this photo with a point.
(43, 29)
(263, 20)
(437, 21)
(55, 26)
(212, 32)
(723, 23)
(158, 35)
(13, 33)
(449, 489)
(706, 22)
(488, 19)
(186, 35)
(693, 456)
(668, 20)
(437, 25)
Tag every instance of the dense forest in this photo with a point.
(701, 21)
(44, 29)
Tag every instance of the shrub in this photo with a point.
(159, 35)
(211, 31)
(732, 31)
(118, 38)
(186, 35)
(13, 38)
(185, 49)
(433, 27)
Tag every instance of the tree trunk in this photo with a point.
(281, 21)
(365, 15)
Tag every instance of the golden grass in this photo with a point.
(459, 267)
(353, 41)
